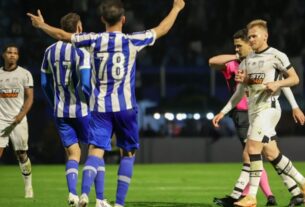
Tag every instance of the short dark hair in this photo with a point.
(9, 45)
(69, 22)
(112, 11)
(241, 34)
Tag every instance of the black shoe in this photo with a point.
(297, 200)
(227, 201)
(271, 201)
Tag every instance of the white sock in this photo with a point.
(26, 170)
(256, 168)
(242, 181)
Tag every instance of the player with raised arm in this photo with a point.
(261, 72)
(65, 74)
(113, 101)
(16, 99)
(228, 65)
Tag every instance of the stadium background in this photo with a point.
(173, 76)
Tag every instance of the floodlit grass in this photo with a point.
(168, 185)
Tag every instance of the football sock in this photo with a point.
(72, 175)
(264, 184)
(124, 178)
(99, 180)
(242, 181)
(256, 168)
(26, 170)
(284, 166)
(290, 184)
(89, 173)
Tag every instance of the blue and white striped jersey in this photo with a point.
(64, 62)
(113, 60)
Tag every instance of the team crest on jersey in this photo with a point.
(256, 78)
(260, 63)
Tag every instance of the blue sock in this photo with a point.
(99, 180)
(124, 178)
(72, 175)
(89, 173)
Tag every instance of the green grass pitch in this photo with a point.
(168, 185)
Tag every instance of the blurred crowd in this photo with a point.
(204, 29)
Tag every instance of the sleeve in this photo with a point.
(230, 68)
(85, 72)
(290, 97)
(282, 62)
(142, 39)
(83, 39)
(84, 61)
(28, 80)
(242, 65)
(235, 99)
(45, 63)
(47, 86)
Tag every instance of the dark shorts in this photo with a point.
(241, 121)
(73, 130)
(123, 124)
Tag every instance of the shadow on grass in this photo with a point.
(165, 204)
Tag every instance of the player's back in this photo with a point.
(113, 56)
(65, 62)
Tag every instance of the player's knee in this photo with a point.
(125, 153)
(22, 156)
(73, 153)
(270, 155)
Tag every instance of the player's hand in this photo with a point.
(298, 116)
(240, 76)
(6, 131)
(217, 119)
(179, 4)
(37, 21)
(272, 87)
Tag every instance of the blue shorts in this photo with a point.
(123, 124)
(73, 130)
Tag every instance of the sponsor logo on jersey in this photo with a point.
(9, 93)
(256, 78)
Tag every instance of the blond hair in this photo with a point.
(258, 23)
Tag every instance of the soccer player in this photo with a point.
(228, 65)
(261, 72)
(113, 102)
(65, 74)
(16, 99)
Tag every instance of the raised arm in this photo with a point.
(167, 23)
(56, 33)
(219, 62)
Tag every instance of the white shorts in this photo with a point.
(262, 125)
(18, 134)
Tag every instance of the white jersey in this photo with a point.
(261, 68)
(12, 84)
